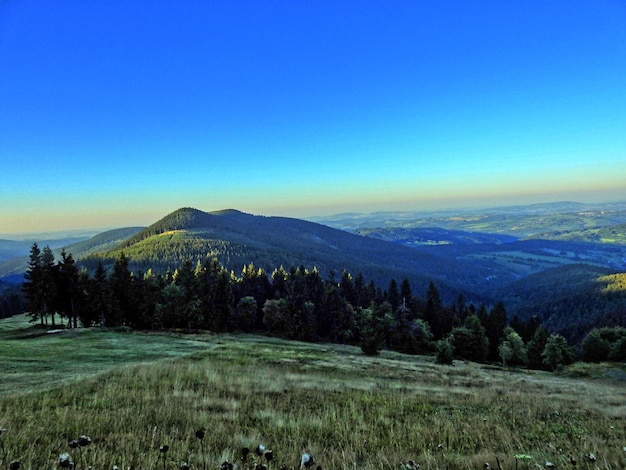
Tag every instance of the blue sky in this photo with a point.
(116, 113)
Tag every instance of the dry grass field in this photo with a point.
(134, 393)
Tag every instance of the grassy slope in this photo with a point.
(348, 410)
(34, 359)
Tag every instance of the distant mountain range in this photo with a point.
(544, 259)
(528, 221)
(14, 265)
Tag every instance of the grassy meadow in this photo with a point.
(133, 393)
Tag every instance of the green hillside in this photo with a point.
(133, 393)
(104, 241)
(237, 239)
(532, 277)
(571, 299)
(612, 234)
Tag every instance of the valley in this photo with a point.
(347, 408)
(499, 254)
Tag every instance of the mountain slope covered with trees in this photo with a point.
(296, 303)
(565, 284)
(237, 239)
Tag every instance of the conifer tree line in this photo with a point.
(295, 304)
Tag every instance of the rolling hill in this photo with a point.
(14, 248)
(237, 239)
(530, 221)
(570, 299)
(611, 234)
(560, 275)
(13, 268)
(563, 262)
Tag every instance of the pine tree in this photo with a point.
(347, 289)
(393, 295)
(121, 285)
(361, 295)
(433, 303)
(330, 313)
(100, 296)
(49, 274)
(68, 289)
(185, 277)
(33, 285)
(216, 301)
(535, 348)
(494, 324)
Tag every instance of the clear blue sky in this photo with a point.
(116, 113)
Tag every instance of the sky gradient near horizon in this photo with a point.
(114, 114)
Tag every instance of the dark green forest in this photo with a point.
(533, 278)
(307, 281)
(295, 303)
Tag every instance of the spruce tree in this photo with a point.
(68, 288)
(33, 285)
(49, 275)
(121, 285)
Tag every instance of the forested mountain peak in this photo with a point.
(181, 219)
(237, 239)
(185, 218)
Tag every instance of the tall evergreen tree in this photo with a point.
(68, 289)
(185, 278)
(329, 313)
(254, 283)
(49, 274)
(146, 296)
(223, 302)
(315, 288)
(122, 305)
(347, 288)
(100, 295)
(536, 347)
(433, 312)
(494, 325)
(393, 295)
(279, 283)
(216, 301)
(460, 307)
(402, 335)
(84, 309)
(170, 310)
(406, 296)
(32, 287)
(362, 295)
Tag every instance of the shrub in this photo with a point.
(445, 352)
